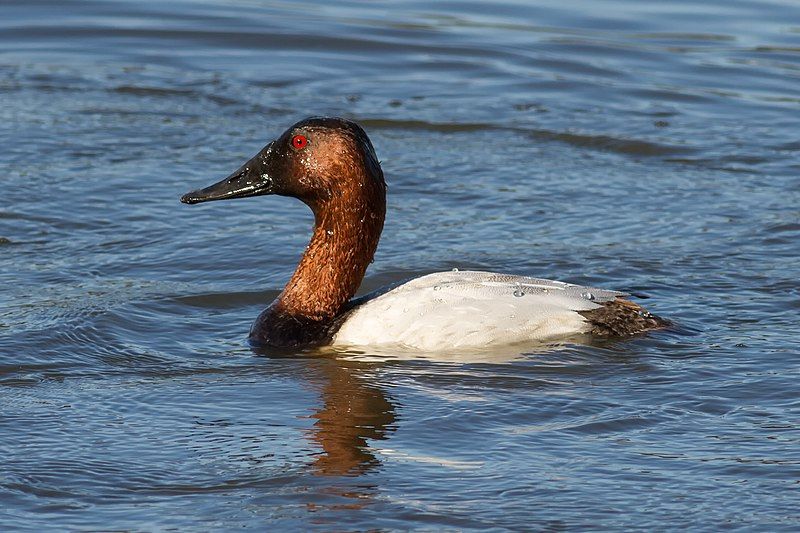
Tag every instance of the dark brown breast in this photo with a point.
(279, 328)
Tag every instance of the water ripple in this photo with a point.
(636, 146)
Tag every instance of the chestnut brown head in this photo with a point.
(316, 160)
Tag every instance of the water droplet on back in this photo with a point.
(518, 292)
(437, 287)
(587, 295)
(455, 269)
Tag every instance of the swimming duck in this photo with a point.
(331, 166)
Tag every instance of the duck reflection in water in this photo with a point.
(353, 413)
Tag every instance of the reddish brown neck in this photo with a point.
(347, 228)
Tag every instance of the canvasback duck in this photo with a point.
(331, 166)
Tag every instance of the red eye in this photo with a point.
(299, 142)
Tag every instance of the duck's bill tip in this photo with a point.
(225, 189)
(222, 191)
(192, 198)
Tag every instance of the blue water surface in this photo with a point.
(647, 147)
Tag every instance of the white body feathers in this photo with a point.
(470, 309)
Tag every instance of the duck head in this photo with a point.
(330, 164)
(317, 160)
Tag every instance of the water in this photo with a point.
(638, 146)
